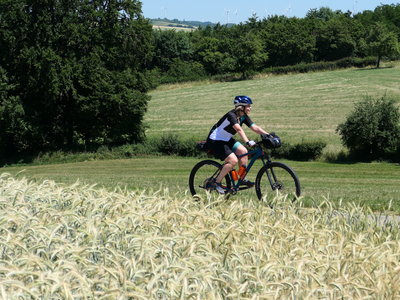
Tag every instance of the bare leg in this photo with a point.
(230, 163)
(244, 159)
(243, 162)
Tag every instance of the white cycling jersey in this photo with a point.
(223, 130)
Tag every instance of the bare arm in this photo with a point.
(240, 131)
(257, 129)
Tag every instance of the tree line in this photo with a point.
(261, 44)
(74, 74)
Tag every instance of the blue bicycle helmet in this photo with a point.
(242, 100)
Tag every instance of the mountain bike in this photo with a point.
(273, 178)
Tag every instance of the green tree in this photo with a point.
(382, 42)
(248, 53)
(323, 13)
(334, 39)
(77, 70)
(390, 15)
(288, 41)
(13, 129)
(171, 45)
(214, 55)
(372, 130)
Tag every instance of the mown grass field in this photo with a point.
(164, 25)
(373, 184)
(80, 242)
(297, 107)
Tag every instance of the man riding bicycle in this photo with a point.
(220, 139)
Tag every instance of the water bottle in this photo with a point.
(234, 175)
(242, 172)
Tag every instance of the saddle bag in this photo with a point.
(203, 147)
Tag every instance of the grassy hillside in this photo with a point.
(164, 24)
(79, 242)
(297, 107)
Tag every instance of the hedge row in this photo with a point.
(171, 145)
(347, 62)
(304, 151)
(181, 71)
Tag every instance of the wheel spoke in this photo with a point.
(277, 181)
(201, 176)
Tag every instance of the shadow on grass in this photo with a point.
(374, 68)
(345, 158)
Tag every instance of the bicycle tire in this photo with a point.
(202, 173)
(277, 178)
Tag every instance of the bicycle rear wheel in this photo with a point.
(277, 179)
(201, 176)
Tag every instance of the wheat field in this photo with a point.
(82, 242)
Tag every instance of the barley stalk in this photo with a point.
(81, 241)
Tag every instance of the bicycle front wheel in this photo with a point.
(277, 179)
(201, 176)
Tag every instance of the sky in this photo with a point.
(236, 11)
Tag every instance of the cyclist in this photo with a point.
(220, 139)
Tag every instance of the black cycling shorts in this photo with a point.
(221, 149)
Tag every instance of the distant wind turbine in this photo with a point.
(164, 11)
(227, 12)
(355, 7)
(288, 10)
